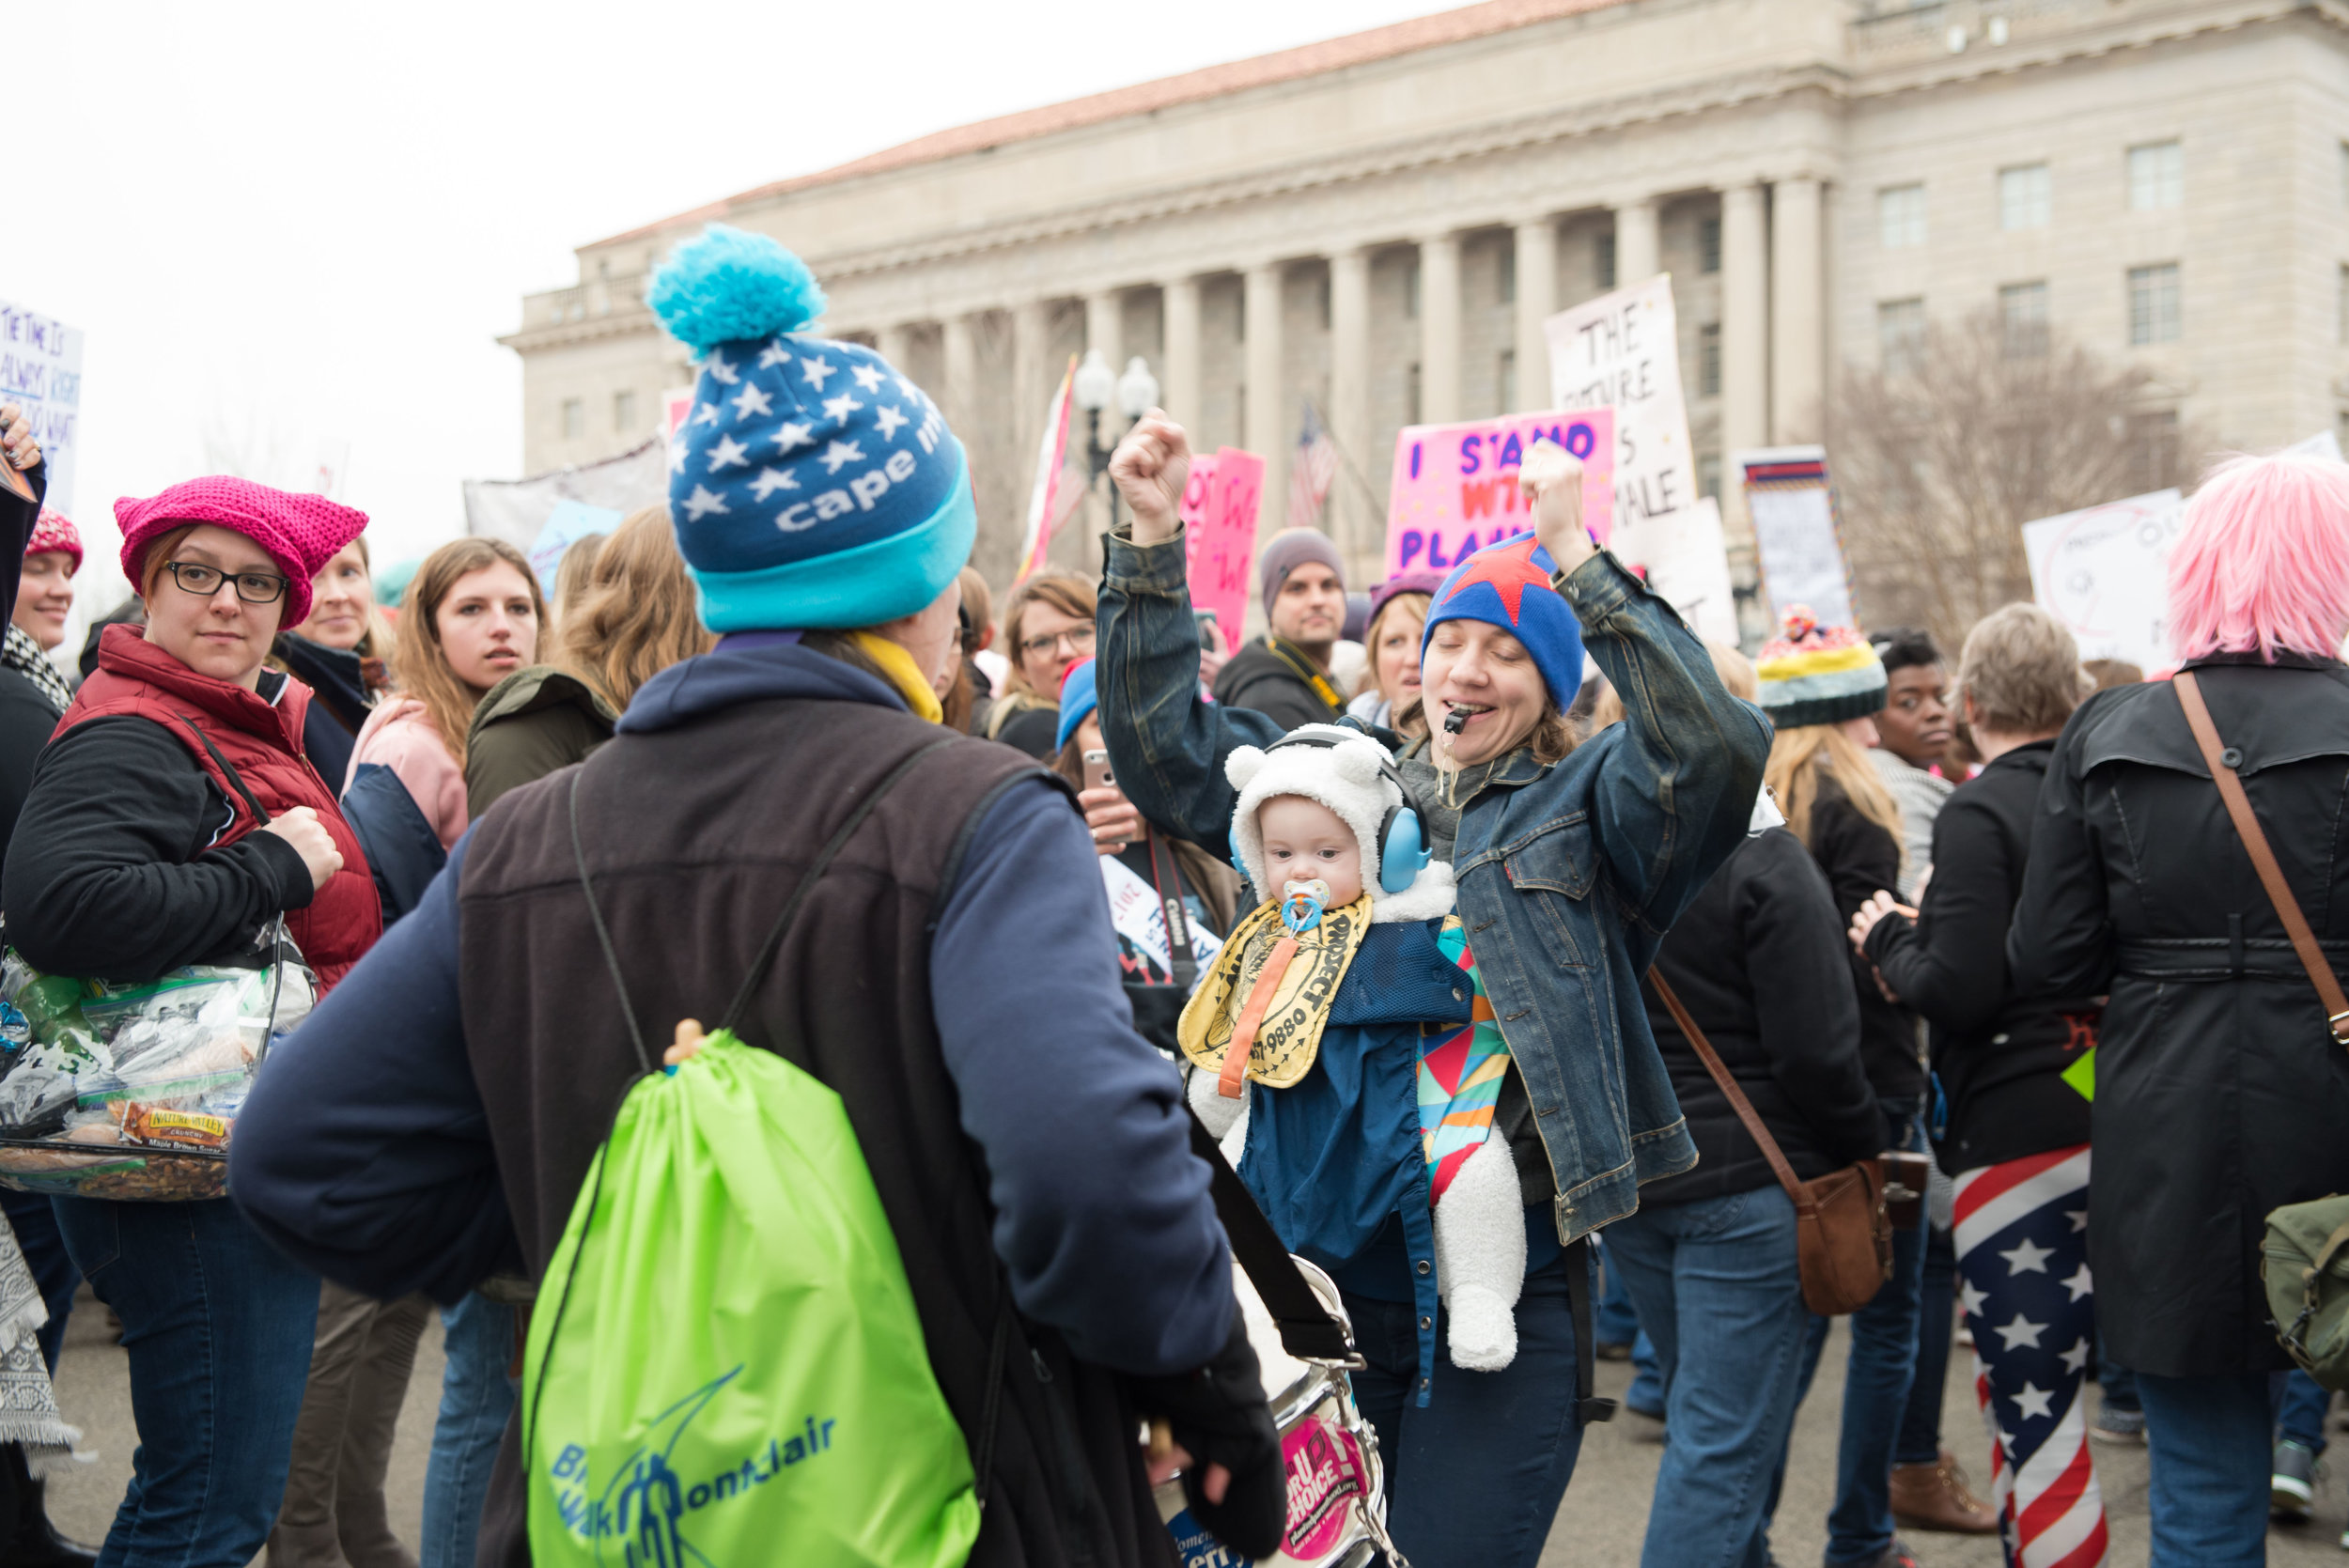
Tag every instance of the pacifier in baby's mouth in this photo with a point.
(1301, 904)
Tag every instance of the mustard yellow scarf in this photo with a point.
(903, 673)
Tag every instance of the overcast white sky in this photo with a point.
(300, 228)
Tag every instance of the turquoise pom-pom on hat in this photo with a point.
(813, 485)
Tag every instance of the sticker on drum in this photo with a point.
(1196, 1548)
(1326, 1478)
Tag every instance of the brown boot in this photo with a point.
(1936, 1496)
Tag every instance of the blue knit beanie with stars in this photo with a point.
(813, 487)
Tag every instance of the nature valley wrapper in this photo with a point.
(1290, 1035)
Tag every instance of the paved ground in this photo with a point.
(1600, 1527)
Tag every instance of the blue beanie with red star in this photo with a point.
(814, 487)
(1507, 585)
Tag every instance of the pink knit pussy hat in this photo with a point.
(301, 533)
(56, 531)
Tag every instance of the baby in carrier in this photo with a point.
(1343, 1049)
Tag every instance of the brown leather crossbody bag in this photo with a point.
(1844, 1229)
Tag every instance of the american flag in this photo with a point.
(1310, 471)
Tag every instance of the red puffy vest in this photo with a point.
(262, 742)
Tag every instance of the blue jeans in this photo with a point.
(2301, 1405)
(2119, 1382)
(2209, 1438)
(476, 1400)
(217, 1325)
(54, 1274)
(1876, 1386)
(1719, 1290)
(1474, 1480)
(1919, 1439)
(1616, 1319)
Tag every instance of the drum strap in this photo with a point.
(1587, 1405)
(1308, 1331)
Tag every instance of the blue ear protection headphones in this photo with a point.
(1402, 852)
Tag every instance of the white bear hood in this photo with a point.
(1343, 775)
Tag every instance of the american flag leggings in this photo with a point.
(2022, 1260)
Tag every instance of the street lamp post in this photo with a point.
(1137, 393)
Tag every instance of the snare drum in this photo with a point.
(1337, 1513)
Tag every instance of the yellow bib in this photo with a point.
(1287, 1032)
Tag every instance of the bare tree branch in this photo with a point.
(1940, 461)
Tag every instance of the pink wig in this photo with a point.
(2263, 560)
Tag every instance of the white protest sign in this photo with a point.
(1622, 351)
(1793, 532)
(40, 370)
(2103, 572)
(2322, 444)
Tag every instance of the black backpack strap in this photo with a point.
(1588, 1406)
(1308, 1331)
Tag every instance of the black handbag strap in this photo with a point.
(1308, 1331)
(1587, 1405)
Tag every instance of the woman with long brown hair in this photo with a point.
(1822, 687)
(474, 612)
(342, 651)
(1389, 693)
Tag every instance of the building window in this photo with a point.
(1507, 285)
(1410, 396)
(1603, 260)
(1901, 216)
(1708, 245)
(2157, 176)
(2026, 197)
(2153, 304)
(2023, 318)
(1322, 297)
(1900, 336)
(574, 418)
(623, 412)
(1410, 290)
(1709, 476)
(1505, 375)
(1239, 316)
(1709, 360)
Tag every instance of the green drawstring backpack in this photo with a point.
(726, 1366)
(2304, 1265)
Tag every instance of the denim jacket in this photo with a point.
(1569, 873)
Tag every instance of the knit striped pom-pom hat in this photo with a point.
(1818, 675)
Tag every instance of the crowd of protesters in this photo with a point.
(1645, 936)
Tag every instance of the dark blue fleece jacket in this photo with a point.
(364, 1151)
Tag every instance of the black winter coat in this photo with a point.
(2000, 1053)
(2221, 1094)
(1759, 960)
(1861, 859)
(1256, 677)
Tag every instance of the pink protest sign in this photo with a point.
(1219, 511)
(1456, 486)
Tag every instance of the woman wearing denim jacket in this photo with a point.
(1572, 862)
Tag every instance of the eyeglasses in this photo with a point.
(1079, 638)
(254, 587)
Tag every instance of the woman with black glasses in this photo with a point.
(172, 820)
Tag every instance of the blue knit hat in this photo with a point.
(1507, 585)
(1080, 694)
(813, 487)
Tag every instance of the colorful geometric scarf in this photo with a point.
(1459, 1076)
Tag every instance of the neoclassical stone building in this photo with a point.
(1380, 223)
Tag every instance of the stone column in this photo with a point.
(1537, 301)
(1178, 381)
(1440, 329)
(960, 395)
(896, 344)
(1639, 250)
(1346, 510)
(1269, 432)
(1798, 306)
(1744, 339)
(1031, 325)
